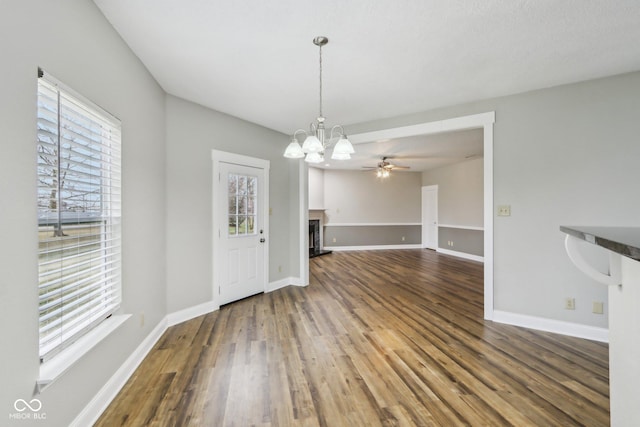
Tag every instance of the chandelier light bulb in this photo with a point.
(343, 146)
(340, 156)
(312, 145)
(314, 158)
(294, 151)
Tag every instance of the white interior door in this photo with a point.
(430, 217)
(240, 230)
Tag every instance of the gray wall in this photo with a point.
(316, 188)
(71, 40)
(357, 197)
(192, 132)
(461, 240)
(460, 192)
(372, 235)
(387, 205)
(564, 155)
(460, 203)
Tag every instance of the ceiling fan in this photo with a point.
(383, 169)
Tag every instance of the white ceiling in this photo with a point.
(255, 59)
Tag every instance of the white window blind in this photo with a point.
(79, 214)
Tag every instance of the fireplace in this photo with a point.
(315, 247)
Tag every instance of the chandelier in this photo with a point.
(314, 146)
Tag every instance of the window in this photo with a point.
(78, 158)
(242, 204)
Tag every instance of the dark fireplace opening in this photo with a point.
(315, 249)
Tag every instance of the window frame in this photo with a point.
(85, 236)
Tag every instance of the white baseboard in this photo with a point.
(297, 281)
(550, 325)
(90, 414)
(287, 281)
(191, 312)
(371, 248)
(460, 254)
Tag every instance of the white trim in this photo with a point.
(239, 159)
(297, 281)
(283, 283)
(370, 224)
(487, 125)
(191, 312)
(90, 413)
(551, 325)
(457, 123)
(303, 227)
(460, 254)
(462, 227)
(371, 248)
(218, 157)
(52, 369)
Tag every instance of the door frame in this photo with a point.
(218, 157)
(483, 121)
(424, 189)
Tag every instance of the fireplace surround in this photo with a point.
(315, 247)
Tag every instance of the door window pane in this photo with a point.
(242, 199)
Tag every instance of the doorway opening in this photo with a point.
(482, 121)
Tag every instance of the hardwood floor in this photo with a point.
(379, 338)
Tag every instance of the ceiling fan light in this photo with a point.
(314, 158)
(294, 151)
(312, 145)
(343, 146)
(340, 156)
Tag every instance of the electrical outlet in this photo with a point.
(403, 239)
(279, 269)
(570, 304)
(598, 307)
(504, 210)
(334, 240)
(141, 319)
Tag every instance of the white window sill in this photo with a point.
(58, 365)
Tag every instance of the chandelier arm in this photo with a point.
(341, 131)
(295, 134)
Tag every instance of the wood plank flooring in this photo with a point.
(379, 338)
